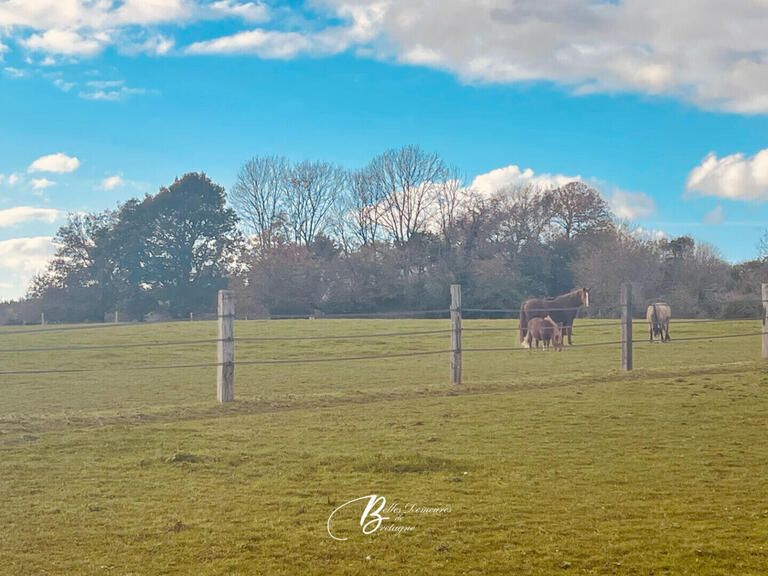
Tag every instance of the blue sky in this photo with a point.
(107, 100)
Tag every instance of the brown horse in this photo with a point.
(562, 310)
(544, 330)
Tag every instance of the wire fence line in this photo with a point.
(427, 315)
(217, 364)
(340, 359)
(297, 338)
(226, 339)
(110, 346)
(342, 336)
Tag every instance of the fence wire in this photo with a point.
(109, 346)
(287, 361)
(341, 336)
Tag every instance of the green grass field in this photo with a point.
(550, 463)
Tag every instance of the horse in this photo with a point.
(562, 310)
(658, 316)
(544, 330)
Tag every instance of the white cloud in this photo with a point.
(14, 73)
(512, 176)
(112, 182)
(157, 44)
(63, 85)
(20, 260)
(707, 52)
(66, 42)
(109, 90)
(20, 214)
(361, 24)
(153, 11)
(736, 177)
(42, 183)
(714, 217)
(28, 255)
(631, 205)
(9, 179)
(3, 49)
(648, 235)
(264, 43)
(54, 163)
(248, 11)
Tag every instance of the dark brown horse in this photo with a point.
(562, 310)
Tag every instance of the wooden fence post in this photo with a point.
(455, 333)
(765, 319)
(225, 378)
(626, 326)
(42, 318)
(117, 317)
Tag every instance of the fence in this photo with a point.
(226, 341)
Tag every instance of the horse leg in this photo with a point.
(666, 327)
(570, 333)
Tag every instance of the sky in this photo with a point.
(662, 106)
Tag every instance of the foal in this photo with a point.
(544, 330)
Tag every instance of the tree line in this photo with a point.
(312, 238)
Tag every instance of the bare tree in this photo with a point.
(453, 200)
(577, 208)
(363, 207)
(407, 180)
(523, 214)
(259, 197)
(313, 189)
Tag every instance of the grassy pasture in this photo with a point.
(549, 462)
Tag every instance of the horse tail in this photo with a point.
(522, 324)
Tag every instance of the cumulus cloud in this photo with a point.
(112, 182)
(631, 205)
(156, 44)
(707, 52)
(21, 214)
(153, 11)
(710, 53)
(42, 183)
(714, 217)
(512, 176)
(28, 255)
(736, 177)
(20, 260)
(66, 42)
(58, 162)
